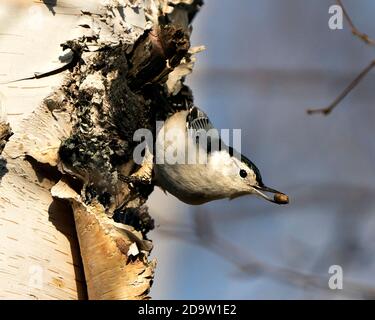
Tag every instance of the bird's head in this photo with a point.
(242, 177)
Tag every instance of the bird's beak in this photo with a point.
(278, 197)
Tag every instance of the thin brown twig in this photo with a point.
(363, 36)
(346, 91)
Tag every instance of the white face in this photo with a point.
(234, 176)
(244, 176)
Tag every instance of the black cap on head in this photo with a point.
(253, 167)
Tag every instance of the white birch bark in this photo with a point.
(53, 243)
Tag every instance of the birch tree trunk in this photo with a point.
(70, 228)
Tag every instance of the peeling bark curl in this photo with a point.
(130, 61)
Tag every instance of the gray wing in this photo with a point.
(198, 121)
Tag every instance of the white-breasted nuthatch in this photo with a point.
(222, 175)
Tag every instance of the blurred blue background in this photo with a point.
(266, 62)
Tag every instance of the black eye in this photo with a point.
(243, 173)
